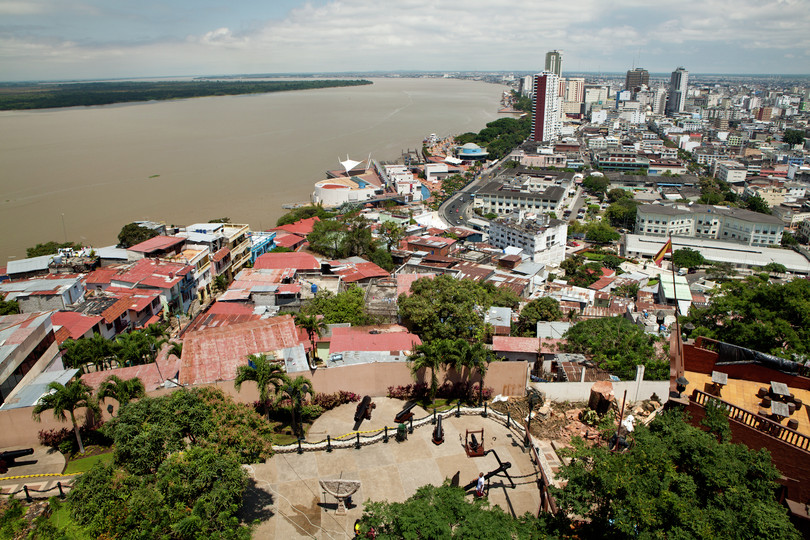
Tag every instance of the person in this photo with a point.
(479, 488)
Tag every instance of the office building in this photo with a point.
(545, 108)
(554, 62)
(636, 79)
(678, 83)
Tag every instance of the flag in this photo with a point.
(664, 250)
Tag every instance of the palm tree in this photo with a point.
(313, 325)
(427, 355)
(68, 398)
(264, 373)
(478, 358)
(176, 348)
(296, 390)
(122, 391)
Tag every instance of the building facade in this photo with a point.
(539, 236)
(545, 108)
(635, 79)
(554, 62)
(678, 84)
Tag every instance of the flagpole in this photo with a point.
(679, 363)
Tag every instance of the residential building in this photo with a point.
(545, 108)
(519, 194)
(554, 62)
(234, 237)
(540, 237)
(705, 221)
(730, 171)
(27, 346)
(43, 294)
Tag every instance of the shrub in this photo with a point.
(64, 439)
(463, 390)
(329, 401)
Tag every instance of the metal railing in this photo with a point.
(760, 423)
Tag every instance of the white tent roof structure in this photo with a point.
(349, 164)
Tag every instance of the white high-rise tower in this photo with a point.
(677, 91)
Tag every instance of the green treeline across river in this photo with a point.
(16, 96)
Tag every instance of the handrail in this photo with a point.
(547, 501)
(760, 423)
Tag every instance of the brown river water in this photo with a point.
(83, 173)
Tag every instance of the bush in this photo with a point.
(64, 439)
(463, 390)
(329, 401)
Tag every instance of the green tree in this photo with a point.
(345, 307)
(296, 391)
(675, 481)
(618, 346)
(789, 240)
(627, 290)
(220, 283)
(264, 373)
(477, 357)
(50, 248)
(775, 268)
(135, 348)
(328, 237)
(133, 233)
(314, 326)
(68, 399)
(721, 271)
(96, 350)
(391, 233)
(220, 220)
(622, 213)
(687, 258)
(601, 233)
(428, 355)
(122, 391)
(9, 307)
(446, 307)
(794, 136)
(446, 512)
(771, 318)
(305, 212)
(542, 309)
(618, 194)
(612, 261)
(757, 204)
(596, 185)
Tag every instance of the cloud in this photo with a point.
(356, 35)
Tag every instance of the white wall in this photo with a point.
(637, 390)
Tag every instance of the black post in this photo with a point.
(410, 425)
(434, 416)
(484, 414)
(385, 437)
(357, 442)
(300, 450)
(61, 493)
(458, 409)
(328, 443)
(508, 419)
(27, 495)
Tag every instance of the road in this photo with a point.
(457, 209)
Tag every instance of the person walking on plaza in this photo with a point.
(479, 488)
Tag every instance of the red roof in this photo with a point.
(392, 339)
(288, 240)
(101, 276)
(116, 310)
(140, 302)
(221, 254)
(213, 354)
(158, 243)
(155, 274)
(360, 271)
(297, 260)
(404, 282)
(515, 344)
(76, 324)
(301, 227)
(603, 282)
(151, 375)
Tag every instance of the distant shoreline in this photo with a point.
(17, 97)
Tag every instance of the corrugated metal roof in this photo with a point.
(33, 264)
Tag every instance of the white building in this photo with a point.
(705, 221)
(678, 84)
(539, 237)
(531, 194)
(730, 171)
(545, 108)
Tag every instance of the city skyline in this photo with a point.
(46, 40)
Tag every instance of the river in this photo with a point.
(83, 173)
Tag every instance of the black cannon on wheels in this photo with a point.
(406, 413)
(7, 458)
(438, 432)
(363, 411)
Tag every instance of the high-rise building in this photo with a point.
(636, 78)
(545, 107)
(677, 91)
(554, 62)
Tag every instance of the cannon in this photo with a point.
(405, 414)
(502, 470)
(438, 432)
(7, 458)
(364, 408)
(472, 446)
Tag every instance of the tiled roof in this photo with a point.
(603, 282)
(221, 254)
(288, 240)
(156, 274)
(75, 324)
(301, 227)
(297, 260)
(151, 375)
(116, 310)
(515, 344)
(214, 354)
(391, 339)
(158, 243)
(223, 314)
(101, 276)
(360, 271)
(404, 282)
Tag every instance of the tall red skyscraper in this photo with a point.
(545, 107)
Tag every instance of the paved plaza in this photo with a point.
(285, 495)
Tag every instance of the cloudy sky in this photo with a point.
(76, 39)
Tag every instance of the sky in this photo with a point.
(90, 39)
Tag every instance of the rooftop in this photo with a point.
(158, 243)
(296, 260)
(393, 339)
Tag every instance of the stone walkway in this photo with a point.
(41, 472)
(285, 495)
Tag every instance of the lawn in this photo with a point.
(81, 465)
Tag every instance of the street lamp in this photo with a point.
(532, 398)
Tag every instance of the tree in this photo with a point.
(392, 233)
(264, 373)
(428, 356)
(50, 248)
(344, 307)
(675, 481)
(721, 271)
(622, 213)
(794, 137)
(135, 348)
(96, 350)
(687, 258)
(175, 348)
(446, 307)
(789, 240)
(67, 399)
(304, 212)
(770, 318)
(542, 309)
(296, 391)
(612, 261)
(627, 290)
(220, 220)
(314, 326)
(122, 391)
(9, 307)
(618, 194)
(133, 233)
(775, 268)
(220, 283)
(757, 204)
(445, 512)
(618, 346)
(328, 237)
(477, 357)
(596, 185)
(601, 233)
